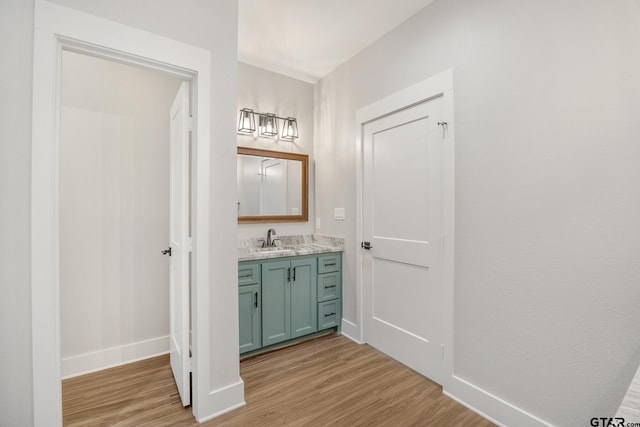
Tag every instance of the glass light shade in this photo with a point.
(267, 125)
(246, 123)
(290, 129)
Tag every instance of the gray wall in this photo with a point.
(269, 92)
(547, 101)
(16, 43)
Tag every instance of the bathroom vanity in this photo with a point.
(288, 293)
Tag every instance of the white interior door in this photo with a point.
(179, 243)
(274, 187)
(402, 221)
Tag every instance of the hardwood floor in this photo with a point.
(329, 381)
(138, 394)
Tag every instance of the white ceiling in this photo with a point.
(307, 39)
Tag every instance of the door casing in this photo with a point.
(58, 28)
(438, 85)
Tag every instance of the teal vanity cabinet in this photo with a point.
(329, 291)
(284, 299)
(289, 298)
(250, 305)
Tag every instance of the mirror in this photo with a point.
(272, 186)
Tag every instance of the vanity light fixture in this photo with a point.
(246, 123)
(267, 124)
(290, 129)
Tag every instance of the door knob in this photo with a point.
(167, 251)
(366, 245)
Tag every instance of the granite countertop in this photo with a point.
(287, 246)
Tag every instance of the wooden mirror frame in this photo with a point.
(304, 216)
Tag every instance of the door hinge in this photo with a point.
(189, 244)
(190, 123)
(445, 128)
(190, 364)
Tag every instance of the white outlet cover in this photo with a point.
(338, 213)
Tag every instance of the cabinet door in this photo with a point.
(276, 302)
(304, 292)
(249, 310)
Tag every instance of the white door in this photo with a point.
(179, 242)
(402, 221)
(274, 187)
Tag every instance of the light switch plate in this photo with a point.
(338, 213)
(318, 223)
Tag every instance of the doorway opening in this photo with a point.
(121, 299)
(60, 29)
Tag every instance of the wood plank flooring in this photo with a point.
(329, 381)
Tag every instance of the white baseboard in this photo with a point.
(489, 406)
(221, 401)
(108, 358)
(630, 406)
(351, 331)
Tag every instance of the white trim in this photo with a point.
(217, 414)
(466, 405)
(440, 84)
(448, 223)
(490, 406)
(226, 399)
(629, 408)
(420, 92)
(58, 27)
(351, 331)
(94, 361)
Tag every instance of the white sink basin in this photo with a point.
(275, 250)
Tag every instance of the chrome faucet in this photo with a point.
(270, 242)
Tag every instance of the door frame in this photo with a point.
(263, 168)
(59, 28)
(440, 84)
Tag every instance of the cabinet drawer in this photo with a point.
(329, 314)
(329, 286)
(248, 274)
(329, 263)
